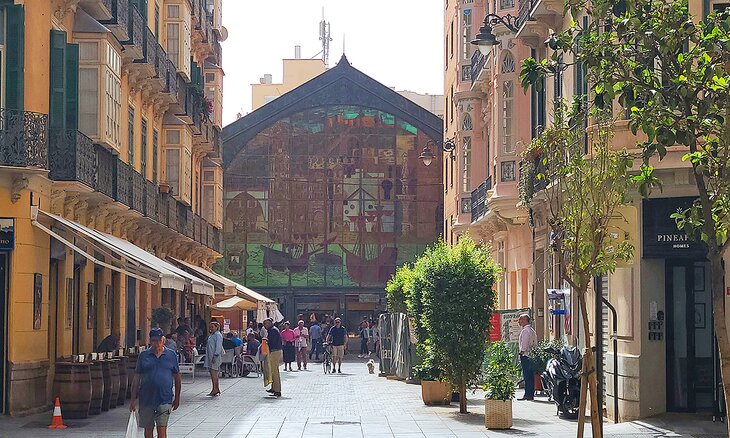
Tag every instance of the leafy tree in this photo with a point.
(501, 372)
(458, 298)
(583, 182)
(395, 289)
(670, 72)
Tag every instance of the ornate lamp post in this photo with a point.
(485, 39)
(448, 145)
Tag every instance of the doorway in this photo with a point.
(4, 289)
(691, 354)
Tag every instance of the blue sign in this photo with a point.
(7, 234)
(558, 312)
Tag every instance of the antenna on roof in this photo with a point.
(324, 36)
(343, 43)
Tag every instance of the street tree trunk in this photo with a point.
(588, 382)
(462, 397)
(718, 313)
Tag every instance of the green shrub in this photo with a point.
(427, 369)
(501, 373)
(539, 357)
(396, 289)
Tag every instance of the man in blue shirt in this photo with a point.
(337, 337)
(275, 356)
(157, 368)
(315, 334)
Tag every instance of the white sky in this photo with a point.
(397, 42)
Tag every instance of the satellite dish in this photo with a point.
(224, 33)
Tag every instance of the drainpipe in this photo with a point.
(614, 337)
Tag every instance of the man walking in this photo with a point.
(301, 342)
(527, 340)
(275, 355)
(337, 337)
(315, 334)
(214, 357)
(157, 369)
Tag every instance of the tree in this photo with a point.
(458, 298)
(396, 289)
(671, 73)
(582, 183)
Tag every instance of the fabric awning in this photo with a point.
(234, 303)
(230, 287)
(134, 257)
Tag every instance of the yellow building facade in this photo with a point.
(109, 170)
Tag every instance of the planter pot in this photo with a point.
(498, 414)
(538, 383)
(164, 188)
(435, 393)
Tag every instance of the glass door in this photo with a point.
(690, 337)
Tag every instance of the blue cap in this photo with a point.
(156, 333)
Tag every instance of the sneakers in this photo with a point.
(339, 371)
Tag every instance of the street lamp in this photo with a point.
(485, 39)
(427, 155)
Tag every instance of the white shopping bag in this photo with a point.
(132, 428)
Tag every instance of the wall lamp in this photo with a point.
(448, 145)
(485, 39)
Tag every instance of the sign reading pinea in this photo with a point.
(662, 238)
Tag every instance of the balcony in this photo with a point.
(23, 139)
(135, 45)
(99, 9)
(147, 64)
(150, 200)
(480, 66)
(162, 66)
(118, 24)
(138, 196)
(162, 210)
(105, 163)
(72, 157)
(535, 19)
(122, 183)
(479, 200)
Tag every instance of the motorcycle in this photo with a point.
(561, 379)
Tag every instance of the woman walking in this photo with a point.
(288, 337)
(213, 353)
(301, 343)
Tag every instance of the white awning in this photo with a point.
(234, 303)
(170, 276)
(230, 287)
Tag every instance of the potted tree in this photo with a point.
(540, 357)
(434, 391)
(500, 376)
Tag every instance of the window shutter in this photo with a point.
(72, 86)
(14, 65)
(57, 112)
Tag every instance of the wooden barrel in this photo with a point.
(107, 393)
(131, 362)
(72, 385)
(97, 388)
(123, 383)
(114, 371)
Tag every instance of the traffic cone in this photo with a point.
(57, 421)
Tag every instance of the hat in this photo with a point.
(156, 333)
(338, 319)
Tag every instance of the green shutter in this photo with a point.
(72, 86)
(14, 65)
(57, 112)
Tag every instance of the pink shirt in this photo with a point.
(287, 335)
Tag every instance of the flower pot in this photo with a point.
(498, 414)
(435, 393)
(538, 383)
(164, 188)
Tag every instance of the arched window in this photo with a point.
(508, 63)
(466, 123)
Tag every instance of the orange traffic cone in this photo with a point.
(57, 421)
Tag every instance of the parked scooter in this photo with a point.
(561, 379)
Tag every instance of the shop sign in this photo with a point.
(7, 234)
(369, 298)
(662, 239)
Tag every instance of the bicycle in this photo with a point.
(327, 358)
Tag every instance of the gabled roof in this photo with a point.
(341, 85)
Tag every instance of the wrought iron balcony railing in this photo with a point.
(525, 12)
(123, 183)
(150, 200)
(477, 64)
(105, 164)
(72, 157)
(479, 200)
(137, 196)
(119, 23)
(134, 47)
(23, 139)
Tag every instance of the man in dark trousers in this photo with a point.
(337, 337)
(275, 355)
(157, 369)
(527, 340)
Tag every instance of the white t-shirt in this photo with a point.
(301, 337)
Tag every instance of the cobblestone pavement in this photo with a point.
(350, 405)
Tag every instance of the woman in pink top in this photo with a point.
(287, 340)
(301, 343)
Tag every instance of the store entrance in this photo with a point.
(4, 289)
(691, 353)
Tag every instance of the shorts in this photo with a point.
(149, 416)
(338, 352)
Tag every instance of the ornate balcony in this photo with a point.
(535, 19)
(122, 183)
(134, 46)
(146, 65)
(99, 9)
(138, 196)
(150, 200)
(479, 200)
(480, 66)
(118, 24)
(162, 210)
(72, 157)
(23, 139)
(105, 164)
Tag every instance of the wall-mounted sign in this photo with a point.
(369, 298)
(7, 234)
(662, 239)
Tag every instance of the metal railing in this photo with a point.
(525, 12)
(122, 182)
(105, 171)
(137, 191)
(23, 139)
(136, 29)
(71, 157)
(150, 197)
(477, 64)
(479, 200)
(162, 66)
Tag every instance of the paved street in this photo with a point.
(354, 404)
